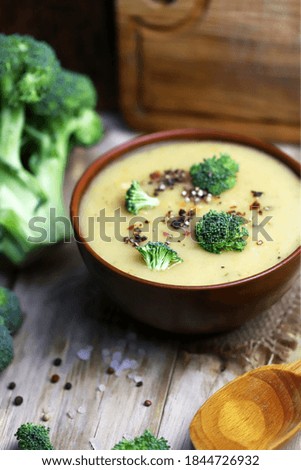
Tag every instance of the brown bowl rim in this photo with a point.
(164, 136)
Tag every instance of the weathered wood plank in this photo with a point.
(57, 299)
(125, 401)
(195, 378)
(191, 384)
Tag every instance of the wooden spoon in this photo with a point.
(258, 410)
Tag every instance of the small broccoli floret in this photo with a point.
(137, 199)
(147, 441)
(33, 437)
(6, 346)
(220, 231)
(158, 256)
(215, 174)
(10, 310)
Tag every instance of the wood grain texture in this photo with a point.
(196, 64)
(65, 312)
(203, 373)
(259, 410)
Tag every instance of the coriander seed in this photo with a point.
(54, 378)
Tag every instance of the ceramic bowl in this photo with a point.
(186, 309)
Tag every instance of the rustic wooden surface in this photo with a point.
(207, 63)
(64, 313)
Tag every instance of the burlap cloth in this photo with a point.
(269, 338)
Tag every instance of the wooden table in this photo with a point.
(60, 304)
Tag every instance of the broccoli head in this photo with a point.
(147, 441)
(215, 174)
(70, 92)
(67, 112)
(33, 437)
(158, 256)
(220, 231)
(137, 199)
(6, 346)
(27, 68)
(10, 310)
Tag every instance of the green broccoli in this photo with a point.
(158, 256)
(147, 441)
(33, 437)
(215, 174)
(137, 199)
(63, 118)
(220, 231)
(6, 346)
(27, 69)
(10, 310)
(44, 111)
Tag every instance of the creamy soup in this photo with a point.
(277, 217)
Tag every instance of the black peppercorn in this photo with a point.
(57, 362)
(18, 401)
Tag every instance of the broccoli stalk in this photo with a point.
(215, 174)
(158, 256)
(33, 437)
(10, 310)
(147, 441)
(18, 206)
(220, 231)
(137, 199)
(11, 128)
(65, 117)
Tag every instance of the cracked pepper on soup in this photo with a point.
(265, 195)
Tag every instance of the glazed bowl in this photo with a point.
(177, 308)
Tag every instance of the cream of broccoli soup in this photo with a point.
(266, 195)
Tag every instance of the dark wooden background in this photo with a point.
(141, 66)
(81, 31)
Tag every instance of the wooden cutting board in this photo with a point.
(231, 65)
